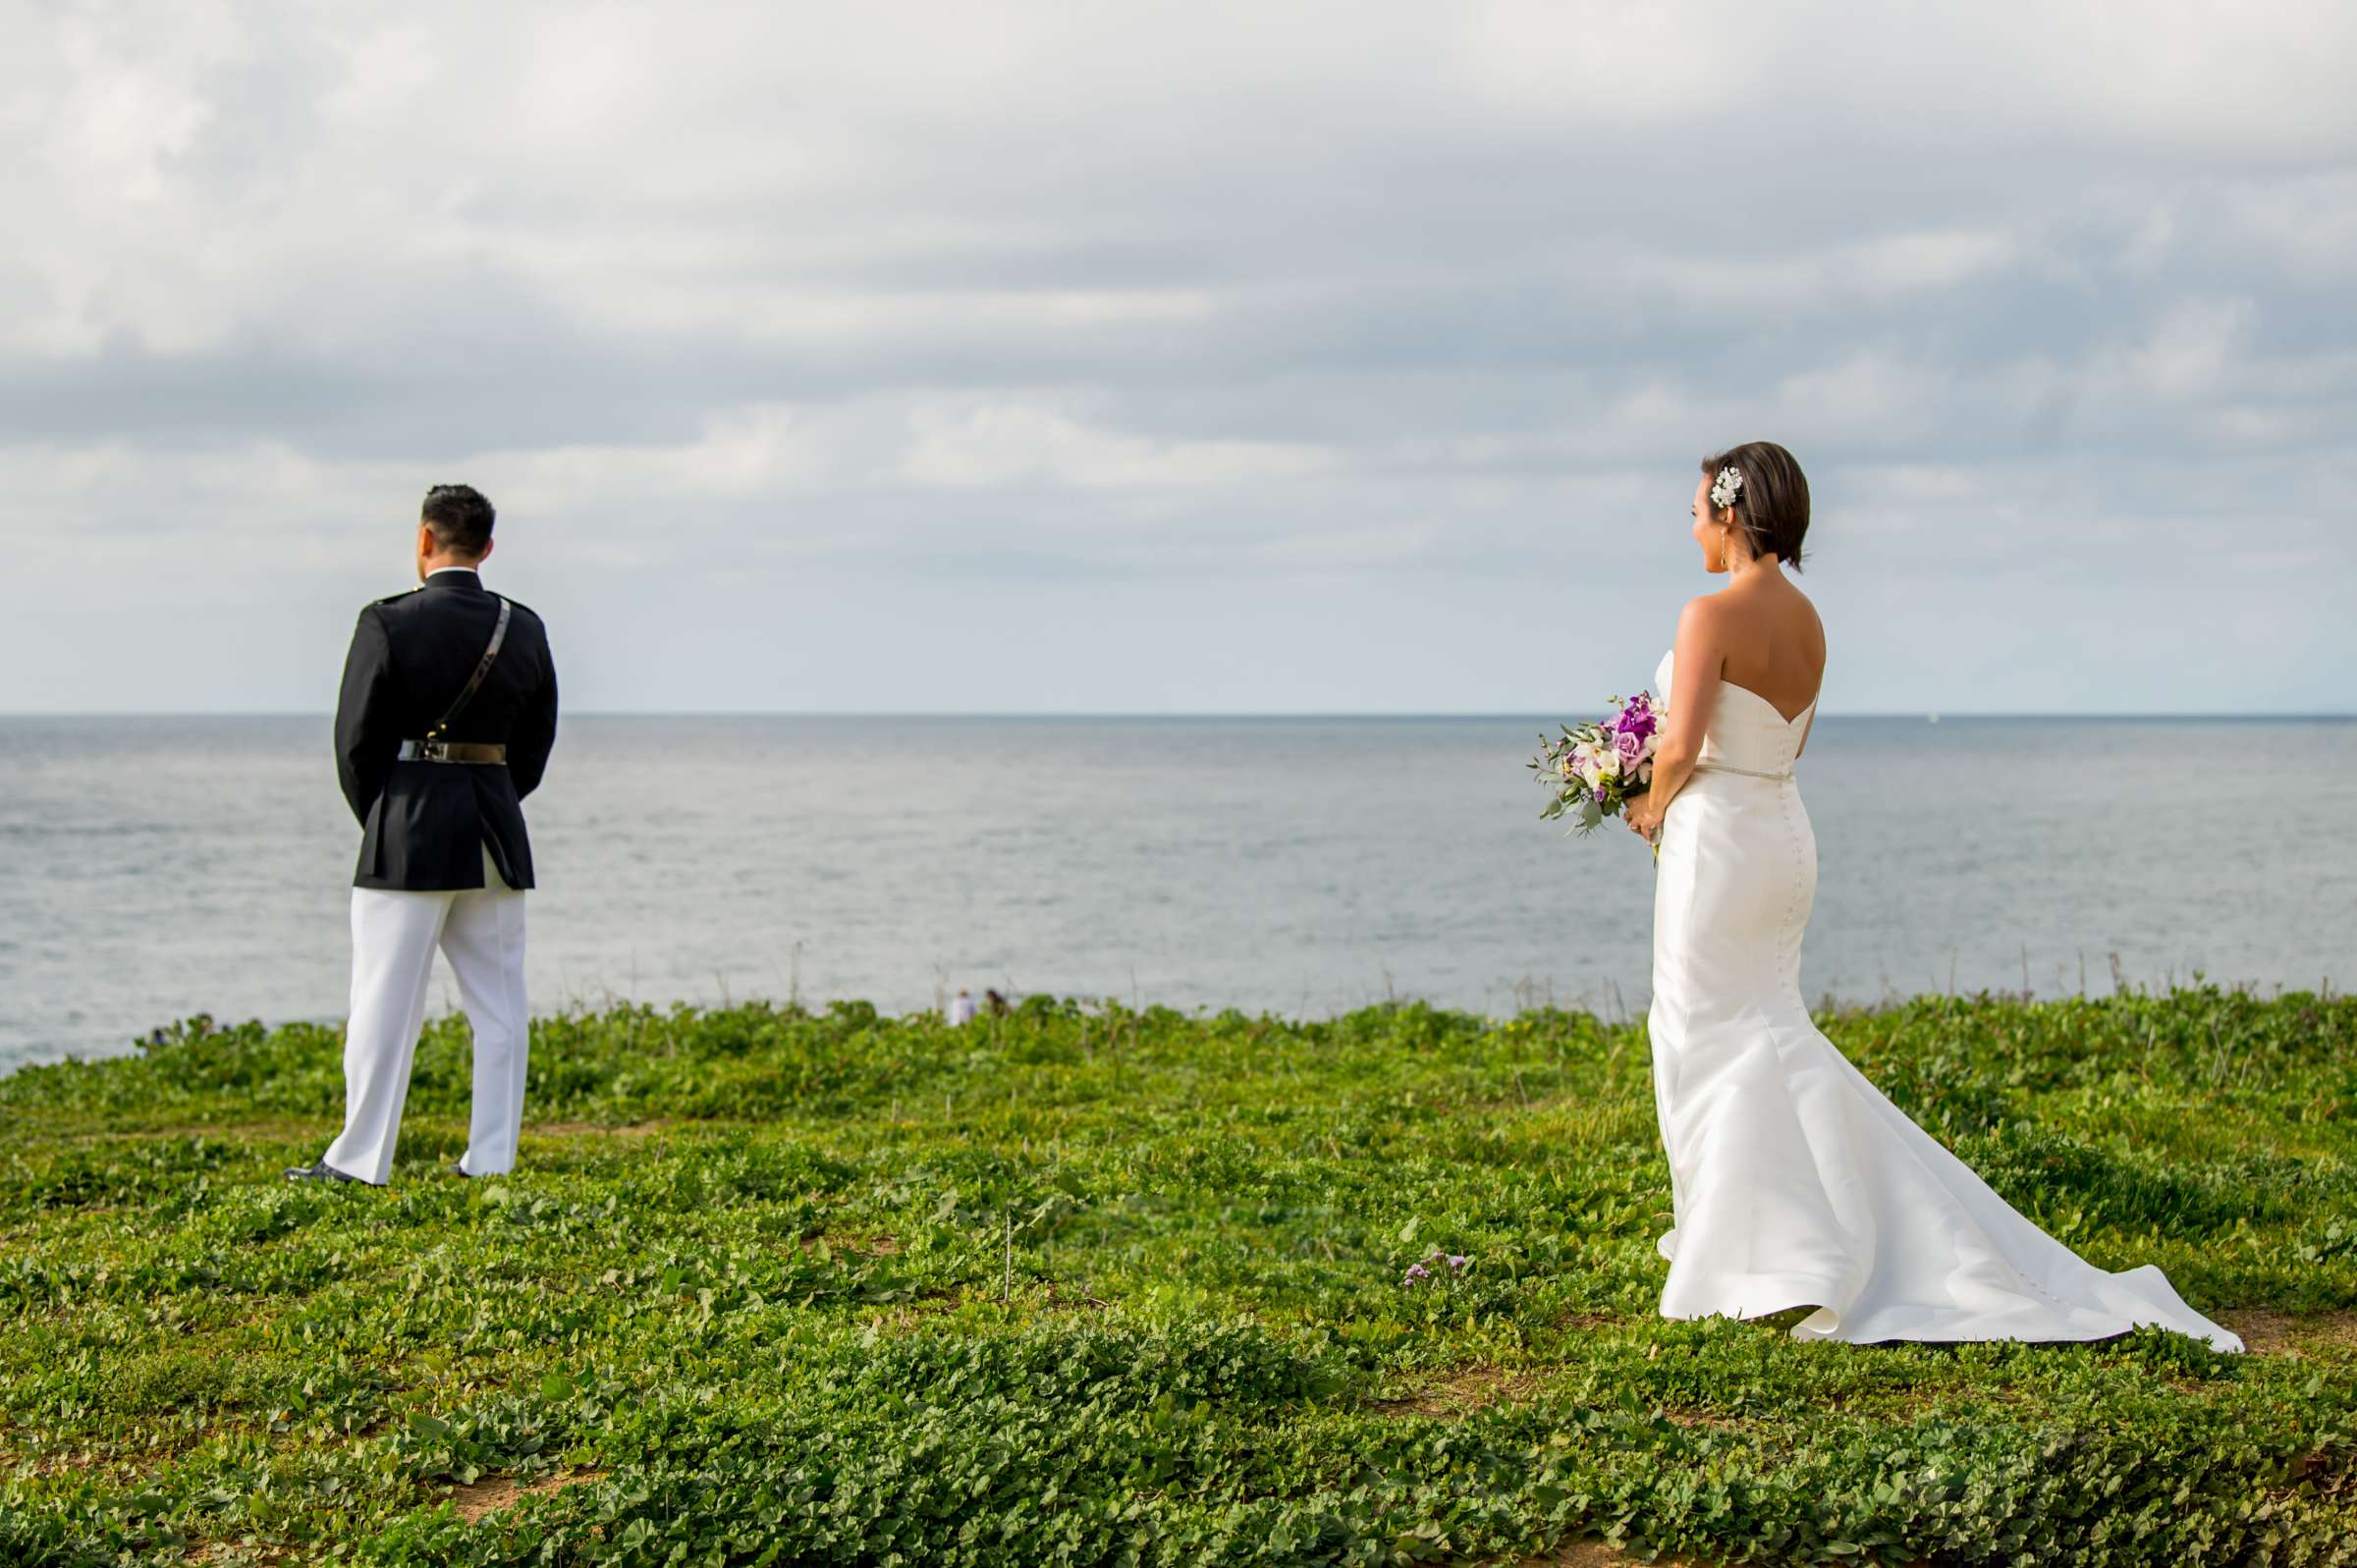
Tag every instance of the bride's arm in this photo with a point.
(1696, 668)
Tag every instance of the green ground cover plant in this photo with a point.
(1091, 1285)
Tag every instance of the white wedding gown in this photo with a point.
(1793, 1181)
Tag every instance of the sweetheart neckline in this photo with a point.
(1771, 706)
(1754, 696)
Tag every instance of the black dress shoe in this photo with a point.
(318, 1170)
(458, 1168)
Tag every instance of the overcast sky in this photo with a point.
(1204, 357)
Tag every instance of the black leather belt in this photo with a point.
(480, 753)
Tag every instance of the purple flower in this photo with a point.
(1457, 1261)
(1630, 746)
(1416, 1272)
(1600, 794)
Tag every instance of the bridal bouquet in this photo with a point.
(1596, 769)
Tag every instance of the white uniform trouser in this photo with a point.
(393, 935)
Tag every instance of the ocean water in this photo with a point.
(155, 868)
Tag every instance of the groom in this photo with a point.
(447, 712)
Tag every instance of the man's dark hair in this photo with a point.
(461, 519)
(1772, 506)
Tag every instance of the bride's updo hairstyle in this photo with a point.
(1772, 507)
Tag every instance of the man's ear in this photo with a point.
(488, 545)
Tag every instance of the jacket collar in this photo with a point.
(462, 579)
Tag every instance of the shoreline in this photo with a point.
(1605, 1010)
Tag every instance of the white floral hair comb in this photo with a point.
(1727, 486)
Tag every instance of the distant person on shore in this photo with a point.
(961, 1006)
(995, 1003)
(447, 716)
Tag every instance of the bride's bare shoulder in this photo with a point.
(1808, 614)
(1703, 610)
(1786, 605)
(1807, 628)
(1703, 624)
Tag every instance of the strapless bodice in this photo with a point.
(1745, 731)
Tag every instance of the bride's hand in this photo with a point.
(1643, 818)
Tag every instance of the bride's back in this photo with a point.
(1773, 642)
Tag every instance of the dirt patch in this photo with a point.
(262, 1556)
(1465, 1391)
(482, 1498)
(1597, 1554)
(243, 1132)
(1073, 1301)
(1699, 1417)
(2279, 1334)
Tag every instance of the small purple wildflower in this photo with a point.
(1416, 1272)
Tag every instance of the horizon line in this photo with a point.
(1914, 715)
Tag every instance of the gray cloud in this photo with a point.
(1319, 339)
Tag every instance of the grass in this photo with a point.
(1089, 1285)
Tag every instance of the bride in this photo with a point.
(1795, 1183)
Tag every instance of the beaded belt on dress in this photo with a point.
(1748, 772)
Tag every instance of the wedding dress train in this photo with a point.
(1793, 1181)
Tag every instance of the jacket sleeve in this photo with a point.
(364, 740)
(536, 732)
